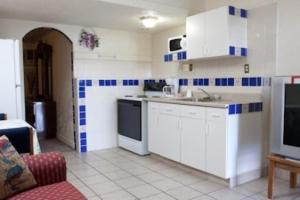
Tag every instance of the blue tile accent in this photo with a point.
(146, 82)
(130, 82)
(185, 81)
(206, 82)
(232, 51)
(82, 122)
(83, 149)
(201, 81)
(81, 82)
(244, 13)
(162, 81)
(83, 142)
(107, 83)
(81, 95)
(89, 83)
(253, 81)
(259, 83)
(231, 109)
(217, 82)
(258, 107)
(251, 107)
(152, 81)
(245, 81)
(179, 56)
(180, 82)
(101, 82)
(170, 57)
(230, 81)
(82, 115)
(136, 82)
(81, 89)
(231, 10)
(238, 108)
(83, 135)
(113, 82)
(166, 58)
(195, 82)
(125, 82)
(82, 109)
(244, 52)
(184, 55)
(224, 82)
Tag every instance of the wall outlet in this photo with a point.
(187, 67)
(246, 68)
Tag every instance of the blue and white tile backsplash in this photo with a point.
(230, 82)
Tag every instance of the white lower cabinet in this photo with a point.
(192, 135)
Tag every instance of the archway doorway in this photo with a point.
(48, 84)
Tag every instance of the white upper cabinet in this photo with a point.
(217, 33)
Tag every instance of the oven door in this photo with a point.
(129, 119)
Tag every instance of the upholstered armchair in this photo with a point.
(50, 173)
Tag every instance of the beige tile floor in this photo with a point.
(117, 174)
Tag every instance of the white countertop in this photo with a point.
(223, 103)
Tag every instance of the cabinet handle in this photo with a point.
(207, 130)
(169, 110)
(179, 124)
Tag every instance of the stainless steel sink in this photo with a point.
(205, 99)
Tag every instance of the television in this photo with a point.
(285, 117)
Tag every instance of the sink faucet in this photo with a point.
(210, 96)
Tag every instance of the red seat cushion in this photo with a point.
(57, 191)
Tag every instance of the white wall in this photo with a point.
(121, 54)
(288, 38)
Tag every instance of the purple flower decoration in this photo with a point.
(88, 40)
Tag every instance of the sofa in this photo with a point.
(50, 173)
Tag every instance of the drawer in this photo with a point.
(153, 106)
(170, 109)
(216, 114)
(192, 112)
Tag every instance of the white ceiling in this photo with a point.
(114, 14)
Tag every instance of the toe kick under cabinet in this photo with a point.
(207, 139)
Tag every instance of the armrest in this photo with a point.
(47, 168)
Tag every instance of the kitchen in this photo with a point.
(217, 94)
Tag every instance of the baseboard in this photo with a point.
(66, 141)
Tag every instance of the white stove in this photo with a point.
(132, 123)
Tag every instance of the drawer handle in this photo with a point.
(169, 110)
(215, 115)
(192, 113)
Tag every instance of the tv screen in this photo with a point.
(291, 135)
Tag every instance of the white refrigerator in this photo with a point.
(11, 87)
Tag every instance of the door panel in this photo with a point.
(216, 149)
(193, 142)
(8, 100)
(169, 136)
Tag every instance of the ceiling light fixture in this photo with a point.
(149, 21)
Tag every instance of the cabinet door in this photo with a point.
(193, 142)
(216, 142)
(154, 141)
(169, 137)
(216, 32)
(195, 36)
